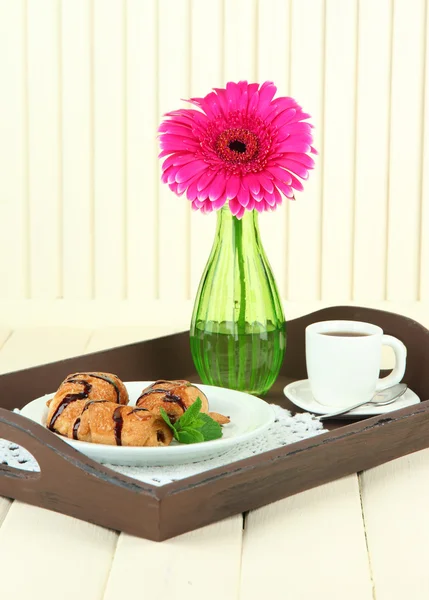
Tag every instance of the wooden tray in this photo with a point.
(75, 485)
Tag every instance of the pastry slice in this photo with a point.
(175, 397)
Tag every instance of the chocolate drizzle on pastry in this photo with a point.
(98, 376)
(77, 422)
(87, 387)
(119, 421)
(112, 423)
(169, 396)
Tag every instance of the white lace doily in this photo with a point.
(286, 429)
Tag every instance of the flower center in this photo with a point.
(237, 145)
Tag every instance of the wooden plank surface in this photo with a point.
(109, 337)
(38, 547)
(311, 545)
(39, 345)
(202, 564)
(5, 505)
(395, 499)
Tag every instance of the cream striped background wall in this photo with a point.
(87, 230)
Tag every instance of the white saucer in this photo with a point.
(299, 393)
(250, 416)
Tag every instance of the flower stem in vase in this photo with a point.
(241, 322)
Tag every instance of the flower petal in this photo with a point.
(217, 187)
(252, 183)
(171, 129)
(177, 159)
(253, 103)
(284, 117)
(280, 174)
(277, 196)
(220, 202)
(292, 146)
(266, 182)
(232, 186)
(182, 186)
(234, 206)
(189, 170)
(205, 179)
(222, 100)
(270, 198)
(296, 168)
(296, 184)
(279, 105)
(304, 159)
(285, 189)
(177, 141)
(266, 94)
(233, 93)
(243, 196)
(191, 192)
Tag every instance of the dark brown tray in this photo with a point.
(75, 485)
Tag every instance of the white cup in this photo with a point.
(344, 370)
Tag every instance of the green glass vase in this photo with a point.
(238, 329)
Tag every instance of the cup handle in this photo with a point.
(398, 372)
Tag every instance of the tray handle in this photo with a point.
(52, 453)
(73, 484)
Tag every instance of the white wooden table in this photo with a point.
(358, 538)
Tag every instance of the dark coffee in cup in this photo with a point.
(345, 333)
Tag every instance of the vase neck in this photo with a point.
(247, 227)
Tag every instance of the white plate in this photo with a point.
(249, 415)
(299, 393)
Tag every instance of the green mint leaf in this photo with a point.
(193, 426)
(211, 430)
(189, 416)
(167, 420)
(189, 436)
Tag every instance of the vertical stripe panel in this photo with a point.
(307, 86)
(173, 81)
(44, 153)
(405, 150)
(274, 34)
(109, 200)
(372, 149)
(338, 149)
(203, 79)
(76, 228)
(13, 175)
(142, 150)
(424, 226)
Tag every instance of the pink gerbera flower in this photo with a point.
(240, 147)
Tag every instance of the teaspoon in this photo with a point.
(380, 399)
